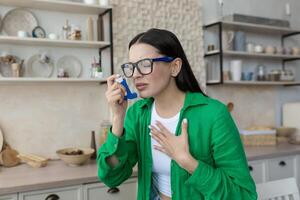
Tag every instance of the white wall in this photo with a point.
(270, 98)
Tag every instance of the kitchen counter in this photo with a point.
(267, 152)
(57, 174)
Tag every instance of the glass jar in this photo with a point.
(104, 128)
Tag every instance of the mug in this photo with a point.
(227, 38)
(250, 47)
(52, 36)
(270, 50)
(259, 49)
(239, 42)
(22, 34)
(236, 70)
(295, 51)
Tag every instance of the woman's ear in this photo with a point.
(176, 67)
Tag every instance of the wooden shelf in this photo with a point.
(57, 6)
(55, 43)
(256, 28)
(271, 83)
(51, 80)
(262, 55)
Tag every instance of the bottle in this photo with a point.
(93, 146)
(66, 30)
(90, 29)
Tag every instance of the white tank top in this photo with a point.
(161, 162)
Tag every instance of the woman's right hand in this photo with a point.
(115, 97)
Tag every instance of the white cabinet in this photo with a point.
(63, 193)
(276, 168)
(97, 191)
(280, 168)
(257, 170)
(9, 197)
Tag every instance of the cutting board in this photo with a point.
(291, 115)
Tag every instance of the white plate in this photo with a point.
(37, 69)
(71, 65)
(19, 19)
(1, 140)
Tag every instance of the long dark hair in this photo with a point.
(168, 44)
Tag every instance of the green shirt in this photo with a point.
(222, 171)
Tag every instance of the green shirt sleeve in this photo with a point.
(229, 177)
(124, 148)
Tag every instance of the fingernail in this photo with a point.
(185, 120)
(150, 127)
(150, 134)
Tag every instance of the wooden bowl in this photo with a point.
(75, 156)
(285, 131)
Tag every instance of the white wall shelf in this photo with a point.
(54, 43)
(46, 80)
(257, 28)
(55, 5)
(271, 83)
(262, 55)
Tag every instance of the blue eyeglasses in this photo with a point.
(144, 66)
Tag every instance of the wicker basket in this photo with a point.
(259, 138)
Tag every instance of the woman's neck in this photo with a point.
(169, 102)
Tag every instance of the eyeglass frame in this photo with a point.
(166, 59)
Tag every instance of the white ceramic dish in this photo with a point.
(18, 19)
(71, 65)
(35, 68)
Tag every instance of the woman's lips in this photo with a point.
(140, 86)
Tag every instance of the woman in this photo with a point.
(185, 143)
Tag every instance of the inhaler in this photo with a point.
(129, 94)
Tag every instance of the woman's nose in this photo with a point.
(136, 73)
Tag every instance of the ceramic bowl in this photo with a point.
(75, 156)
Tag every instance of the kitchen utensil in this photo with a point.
(71, 65)
(35, 68)
(5, 65)
(75, 156)
(236, 70)
(19, 19)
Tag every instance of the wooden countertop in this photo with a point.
(57, 174)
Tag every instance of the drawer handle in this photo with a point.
(52, 197)
(250, 168)
(113, 190)
(282, 163)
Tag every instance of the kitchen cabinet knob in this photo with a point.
(113, 190)
(52, 197)
(282, 163)
(250, 168)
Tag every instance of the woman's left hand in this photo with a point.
(176, 147)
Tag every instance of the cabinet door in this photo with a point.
(281, 168)
(257, 171)
(64, 193)
(9, 197)
(96, 191)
